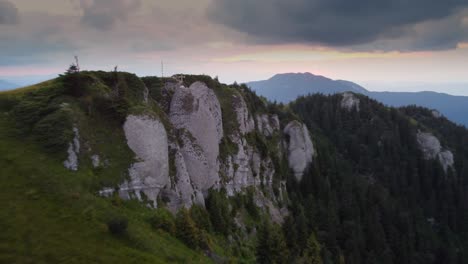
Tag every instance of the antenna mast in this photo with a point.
(77, 63)
(162, 69)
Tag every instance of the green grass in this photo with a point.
(49, 215)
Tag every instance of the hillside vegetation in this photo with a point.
(371, 194)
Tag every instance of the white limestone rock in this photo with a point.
(243, 174)
(446, 159)
(267, 124)
(429, 144)
(147, 138)
(300, 148)
(96, 161)
(244, 119)
(350, 101)
(73, 151)
(432, 149)
(180, 194)
(197, 113)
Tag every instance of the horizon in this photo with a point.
(454, 88)
(392, 48)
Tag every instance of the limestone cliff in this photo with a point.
(196, 112)
(300, 148)
(191, 141)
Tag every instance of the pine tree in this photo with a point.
(186, 229)
(271, 245)
(311, 253)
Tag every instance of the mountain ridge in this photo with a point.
(451, 106)
(164, 170)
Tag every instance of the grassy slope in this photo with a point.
(51, 215)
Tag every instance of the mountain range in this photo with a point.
(288, 86)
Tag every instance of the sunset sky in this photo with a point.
(383, 44)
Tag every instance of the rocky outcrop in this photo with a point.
(193, 152)
(436, 113)
(432, 149)
(244, 119)
(96, 161)
(73, 150)
(247, 168)
(350, 101)
(196, 113)
(267, 124)
(147, 138)
(300, 148)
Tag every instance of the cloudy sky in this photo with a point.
(383, 44)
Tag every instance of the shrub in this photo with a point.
(186, 229)
(201, 217)
(217, 205)
(117, 225)
(164, 220)
(54, 132)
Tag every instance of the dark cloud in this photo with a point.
(337, 22)
(8, 13)
(104, 14)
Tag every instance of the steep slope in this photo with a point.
(385, 178)
(51, 214)
(287, 87)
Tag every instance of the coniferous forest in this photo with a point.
(369, 196)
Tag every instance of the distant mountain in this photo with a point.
(4, 85)
(287, 87)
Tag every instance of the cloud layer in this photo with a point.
(344, 23)
(8, 13)
(104, 14)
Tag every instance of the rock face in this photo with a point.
(350, 101)
(244, 119)
(73, 150)
(246, 168)
(300, 148)
(181, 168)
(432, 149)
(196, 113)
(146, 137)
(267, 124)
